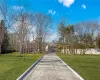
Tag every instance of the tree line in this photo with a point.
(17, 28)
(78, 37)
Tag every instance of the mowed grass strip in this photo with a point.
(12, 66)
(88, 66)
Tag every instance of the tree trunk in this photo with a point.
(76, 51)
(40, 47)
(0, 49)
(20, 48)
(63, 45)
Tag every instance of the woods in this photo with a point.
(78, 38)
(17, 29)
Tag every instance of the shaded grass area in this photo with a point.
(88, 66)
(12, 66)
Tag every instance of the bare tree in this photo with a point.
(70, 38)
(3, 9)
(43, 24)
(86, 33)
(98, 42)
(13, 41)
(6, 14)
(62, 33)
(81, 36)
(22, 28)
(66, 37)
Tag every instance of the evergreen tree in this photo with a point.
(5, 44)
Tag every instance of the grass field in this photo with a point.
(88, 66)
(12, 66)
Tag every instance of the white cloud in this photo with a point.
(18, 7)
(51, 12)
(66, 3)
(83, 6)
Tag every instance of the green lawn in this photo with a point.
(88, 66)
(12, 66)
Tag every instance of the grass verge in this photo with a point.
(12, 66)
(88, 66)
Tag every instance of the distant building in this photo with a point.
(50, 48)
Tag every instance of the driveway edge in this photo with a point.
(72, 69)
(28, 70)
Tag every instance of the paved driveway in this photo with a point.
(51, 68)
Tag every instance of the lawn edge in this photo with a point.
(72, 69)
(29, 69)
